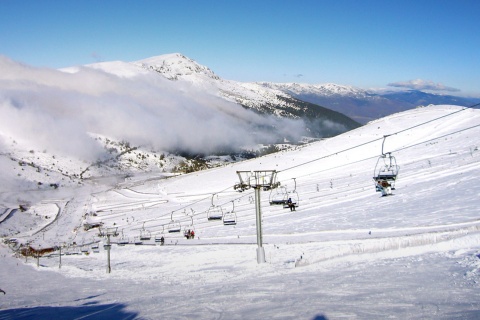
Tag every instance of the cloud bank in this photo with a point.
(56, 110)
(419, 84)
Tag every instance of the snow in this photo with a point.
(345, 253)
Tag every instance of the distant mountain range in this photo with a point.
(362, 105)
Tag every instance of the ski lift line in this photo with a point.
(350, 163)
(440, 137)
(203, 199)
(397, 150)
(375, 140)
(330, 155)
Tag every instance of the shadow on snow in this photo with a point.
(87, 311)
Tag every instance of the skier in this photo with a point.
(290, 204)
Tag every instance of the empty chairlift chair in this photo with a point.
(230, 218)
(173, 226)
(123, 240)
(145, 235)
(214, 212)
(278, 196)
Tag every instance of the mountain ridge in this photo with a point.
(365, 105)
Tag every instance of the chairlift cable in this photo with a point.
(365, 143)
(354, 147)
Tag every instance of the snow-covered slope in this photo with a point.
(345, 252)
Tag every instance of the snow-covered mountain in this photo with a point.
(364, 105)
(346, 252)
(254, 96)
(159, 115)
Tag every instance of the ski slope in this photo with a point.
(346, 252)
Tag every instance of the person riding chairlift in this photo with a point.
(290, 204)
(385, 187)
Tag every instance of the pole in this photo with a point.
(60, 262)
(108, 254)
(260, 250)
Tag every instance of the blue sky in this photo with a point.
(369, 44)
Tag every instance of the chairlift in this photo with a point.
(137, 241)
(278, 196)
(386, 170)
(123, 241)
(95, 248)
(230, 218)
(145, 234)
(214, 212)
(189, 231)
(174, 226)
(293, 196)
(161, 236)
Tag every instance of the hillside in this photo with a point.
(335, 256)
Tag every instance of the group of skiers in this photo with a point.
(189, 234)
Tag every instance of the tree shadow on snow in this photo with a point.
(88, 312)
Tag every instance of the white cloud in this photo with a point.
(419, 84)
(56, 110)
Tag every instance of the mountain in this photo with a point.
(321, 122)
(362, 105)
(160, 115)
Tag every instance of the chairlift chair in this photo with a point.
(137, 241)
(386, 169)
(292, 195)
(174, 226)
(189, 231)
(277, 196)
(95, 248)
(145, 235)
(123, 240)
(230, 218)
(214, 212)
